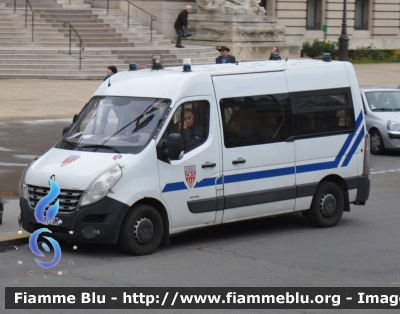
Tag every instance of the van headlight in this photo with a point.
(101, 186)
(22, 187)
(393, 125)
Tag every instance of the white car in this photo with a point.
(382, 111)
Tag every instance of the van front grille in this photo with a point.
(69, 199)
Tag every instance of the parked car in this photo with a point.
(1, 210)
(382, 111)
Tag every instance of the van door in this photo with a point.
(258, 147)
(189, 185)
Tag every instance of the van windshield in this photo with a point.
(115, 124)
(383, 100)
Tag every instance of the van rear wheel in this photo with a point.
(141, 231)
(327, 205)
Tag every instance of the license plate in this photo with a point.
(55, 222)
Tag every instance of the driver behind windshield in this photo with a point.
(193, 133)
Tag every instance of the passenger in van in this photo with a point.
(193, 133)
(269, 130)
(237, 133)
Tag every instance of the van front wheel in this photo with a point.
(327, 205)
(141, 231)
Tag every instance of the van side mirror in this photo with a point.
(74, 119)
(65, 130)
(171, 148)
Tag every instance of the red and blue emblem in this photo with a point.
(117, 157)
(68, 160)
(190, 175)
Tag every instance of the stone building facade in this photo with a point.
(369, 22)
(375, 22)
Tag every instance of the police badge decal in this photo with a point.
(190, 175)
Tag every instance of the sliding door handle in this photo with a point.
(239, 161)
(208, 165)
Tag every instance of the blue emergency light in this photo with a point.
(132, 66)
(326, 56)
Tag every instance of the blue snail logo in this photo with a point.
(51, 213)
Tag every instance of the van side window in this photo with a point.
(323, 112)
(191, 120)
(255, 120)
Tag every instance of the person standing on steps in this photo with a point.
(181, 21)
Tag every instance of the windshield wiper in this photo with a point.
(72, 143)
(101, 146)
(384, 109)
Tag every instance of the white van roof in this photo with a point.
(172, 81)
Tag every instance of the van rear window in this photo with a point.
(322, 112)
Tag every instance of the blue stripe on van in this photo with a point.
(178, 186)
(206, 182)
(258, 175)
(353, 148)
(360, 119)
(335, 163)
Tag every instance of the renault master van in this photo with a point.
(158, 152)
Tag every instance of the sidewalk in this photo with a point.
(44, 99)
(49, 99)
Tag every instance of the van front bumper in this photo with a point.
(97, 223)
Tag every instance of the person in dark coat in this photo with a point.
(274, 49)
(236, 134)
(181, 21)
(111, 70)
(193, 133)
(225, 57)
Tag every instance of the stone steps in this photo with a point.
(107, 40)
(92, 63)
(87, 40)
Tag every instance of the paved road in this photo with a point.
(21, 142)
(362, 250)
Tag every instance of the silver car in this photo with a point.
(382, 115)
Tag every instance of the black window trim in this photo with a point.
(349, 105)
(318, 92)
(333, 133)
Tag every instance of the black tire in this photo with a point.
(377, 145)
(327, 205)
(1, 221)
(141, 231)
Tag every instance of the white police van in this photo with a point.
(158, 152)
